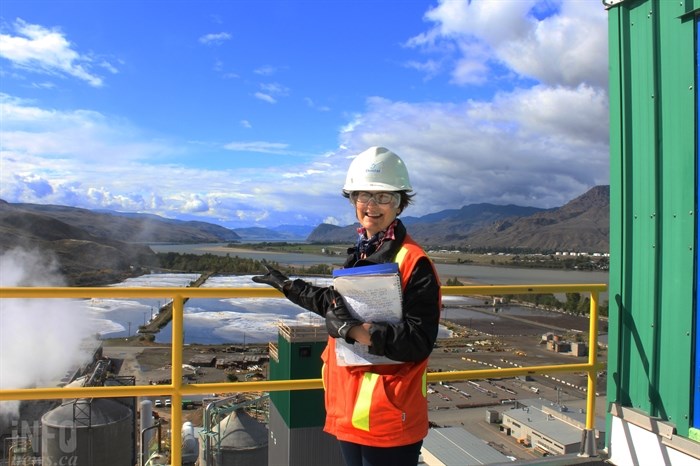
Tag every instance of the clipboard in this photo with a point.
(373, 294)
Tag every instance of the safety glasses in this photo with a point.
(381, 198)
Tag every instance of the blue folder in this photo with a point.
(383, 269)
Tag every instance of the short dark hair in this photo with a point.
(406, 199)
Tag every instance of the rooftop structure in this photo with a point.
(454, 446)
(551, 429)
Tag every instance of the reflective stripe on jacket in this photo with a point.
(380, 405)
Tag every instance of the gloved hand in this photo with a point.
(339, 320)
(274, 278)
(297, 291)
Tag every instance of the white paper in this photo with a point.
(358, 355)
(370, 298)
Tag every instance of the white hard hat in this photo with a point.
(377, 169)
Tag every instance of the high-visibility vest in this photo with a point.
(379, 405)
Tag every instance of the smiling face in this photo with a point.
(375, 209)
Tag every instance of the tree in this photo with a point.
(572, 302)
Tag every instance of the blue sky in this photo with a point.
(248, 112)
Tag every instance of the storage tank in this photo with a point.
(145, 424)
(242, 441)
(190, 445)
(88, 433)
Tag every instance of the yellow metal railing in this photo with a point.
(176, 389)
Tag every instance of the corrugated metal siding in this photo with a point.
(678, 168)
(696, 386)
(308, 446)
(653, 170)
(299, 360)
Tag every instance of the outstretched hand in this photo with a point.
(273, 277)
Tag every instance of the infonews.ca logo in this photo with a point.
(27, 434)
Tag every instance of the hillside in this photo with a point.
(582, 224)
(96, 248)
(442, 227)
(456, 229)
(133, 228)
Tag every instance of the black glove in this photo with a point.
(297, 291)
(274, 278)
(339, 320)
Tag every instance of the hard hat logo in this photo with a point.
(377, 169)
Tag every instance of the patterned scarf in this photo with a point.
(367, 246)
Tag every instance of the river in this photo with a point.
(478, 274)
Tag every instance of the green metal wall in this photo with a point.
(652, 207)
(298, 360)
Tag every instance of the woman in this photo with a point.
(379, 413)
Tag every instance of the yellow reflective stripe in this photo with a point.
(424, 383)
(360, 415)
(401, 255)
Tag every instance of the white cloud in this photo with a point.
(196, 204)
(526, 147)
(215, 39)
(270, 92)
(303, 174)
(265, 70)
(274, 88)
(258, 146)
(311, 104)
(429, 68)
(331, 221)
(265, 97)
(47, 51)
(33, 184)
(44, 85)
(82, 134)
(565, 47)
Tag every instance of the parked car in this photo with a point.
(167, 403)
(158, 404)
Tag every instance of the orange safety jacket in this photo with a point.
(378, 405)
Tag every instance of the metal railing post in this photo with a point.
(588, 443)
(177, 338)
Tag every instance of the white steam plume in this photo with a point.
(40, 339)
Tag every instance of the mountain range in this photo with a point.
(580, 225)
(90, 244)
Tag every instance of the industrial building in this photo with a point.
(548, 428)
(454, 446)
